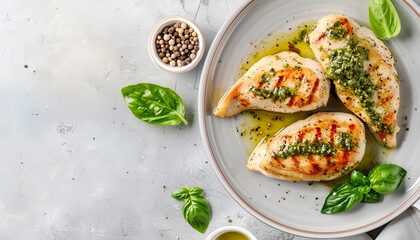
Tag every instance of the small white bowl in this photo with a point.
(152, 44)
(226, 229)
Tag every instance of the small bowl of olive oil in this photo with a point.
(231, 233)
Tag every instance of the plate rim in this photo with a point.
(216, 43)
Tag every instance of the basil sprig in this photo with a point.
(382, 179)
(341, 198)
(386, 178)
(384, 19)
(155, 104)
(196, 209)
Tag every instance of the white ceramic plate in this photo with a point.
(258, 194)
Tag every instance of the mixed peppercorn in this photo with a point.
(177, 44)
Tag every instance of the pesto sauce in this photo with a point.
(347, 66)
(336, 31)
(306, 148)
(278, 94)
(344, 141)
(265, 78)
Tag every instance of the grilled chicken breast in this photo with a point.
(362, 69)
(322, 147)
(284, 82)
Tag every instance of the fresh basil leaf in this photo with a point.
(181, 194)
(360, 181)
(196, 211)
(384, 19)
(385, 178)
(155, 104)
(341, 198)
(195, 191)
(371, 197)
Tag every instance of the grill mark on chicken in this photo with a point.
(311, 97)
(281, 79)
(347, 26)
(333, 131)
(291, 101)
(318, 133)
(323, 35)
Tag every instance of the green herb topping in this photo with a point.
(344, 141)
(336, 31)
(265, 78)
(301, 37)
(306, 148)
(279, 93)
(347, 66)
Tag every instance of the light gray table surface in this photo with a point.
(76, 164)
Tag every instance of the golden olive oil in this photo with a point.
(278, 42)
(232, 236)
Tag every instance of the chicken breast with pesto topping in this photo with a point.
(362, 69)
(322, 147)
(284, 82)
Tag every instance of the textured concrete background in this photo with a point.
(76, 164)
